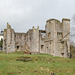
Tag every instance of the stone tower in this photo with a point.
(9, 40)
(58, 37)
(66, 36)
(35, 40)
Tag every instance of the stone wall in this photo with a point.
(42, 34)
(20, 39)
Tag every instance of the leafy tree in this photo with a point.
(1, 43)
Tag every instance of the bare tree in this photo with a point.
(72, 31)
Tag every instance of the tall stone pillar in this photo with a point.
(66, 33)
(8, 38)
(9, 41)
(4, 40)
(13, 41)
(35, 40)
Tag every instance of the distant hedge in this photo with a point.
(72, 48)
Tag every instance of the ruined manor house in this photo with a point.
(54, 40)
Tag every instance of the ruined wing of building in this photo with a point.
(54, 40)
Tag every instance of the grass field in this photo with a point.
(41, 64)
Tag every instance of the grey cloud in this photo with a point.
(23, 14)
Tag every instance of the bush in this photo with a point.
(1, 43)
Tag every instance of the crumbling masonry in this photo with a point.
(54, 40)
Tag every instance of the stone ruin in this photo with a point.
(54, 40)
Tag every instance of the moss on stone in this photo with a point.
(52, 19)
(5, 30)
(65, 19)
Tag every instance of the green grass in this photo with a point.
(41, 64)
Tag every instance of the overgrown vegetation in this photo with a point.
(72, 51)
(41, 64)
(1, 43)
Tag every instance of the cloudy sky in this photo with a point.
(23, 14)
